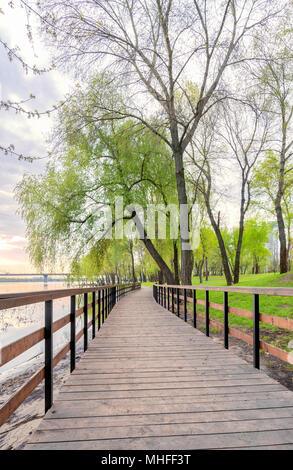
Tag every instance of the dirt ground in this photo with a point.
(15, 433)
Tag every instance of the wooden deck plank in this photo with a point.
(186, 442)
(171, 418)
(142, 380)
(106, 394)
(84, 408)
(163, 430)
(87, 386)
(150, 381)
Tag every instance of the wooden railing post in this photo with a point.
(207, 310)
(72, 332)
(178, 302)
(185, 305)
(48, 354)
(85, 316)
(226, 321)
(172, 299)
(256, 330)
(168, 298)
(194, 308)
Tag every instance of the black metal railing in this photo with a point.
(164, 294)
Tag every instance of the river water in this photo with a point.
(20, 321)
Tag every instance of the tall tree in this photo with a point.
(245, 131)
(205, 157)
(274, 79)
(151, 47)
(265, 189)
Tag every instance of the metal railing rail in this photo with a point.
(103, 300)
(170, 297)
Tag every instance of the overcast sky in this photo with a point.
(28, 136)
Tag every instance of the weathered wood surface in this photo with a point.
(150, 381)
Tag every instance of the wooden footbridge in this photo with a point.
(148, 380)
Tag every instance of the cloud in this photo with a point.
(12, 243)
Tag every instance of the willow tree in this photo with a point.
(68, 206)
(151, 47)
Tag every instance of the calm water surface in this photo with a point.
(20, 321)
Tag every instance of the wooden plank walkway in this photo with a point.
(151, 381)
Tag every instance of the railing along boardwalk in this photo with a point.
(103, 299)
(150, 381)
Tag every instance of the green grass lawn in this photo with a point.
(272, 305)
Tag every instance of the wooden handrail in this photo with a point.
(12, 350)
(281, 322)
(27, 298)
(280, 291)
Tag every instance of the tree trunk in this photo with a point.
(278, 202)
(200, 270)
(207, 270)
(186, 251)
(175, 262)
(132, 260)
(166, 271)
(236, 269)
(225, 261)
(282, 236)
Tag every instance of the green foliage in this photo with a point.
(256, 236)
(265, 180)
(100, 160)
(90, 266)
